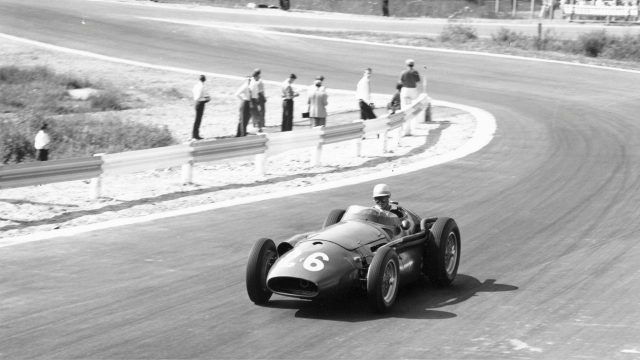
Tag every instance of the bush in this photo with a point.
(79, 136)
(106, 101)
(594, 42)
(40, 89)
(625, 48)
(458, 33)
(506, 37)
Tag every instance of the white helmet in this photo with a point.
(381, 190)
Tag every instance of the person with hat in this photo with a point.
(317, 103)
(288, 94)
(410, 80)
(382, 200)
(258, 100)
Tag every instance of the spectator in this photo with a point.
(363, 94)
(318, 105)
(41, 143)
(312, 88)
(244, 94)
(201, 97)
(394, 104)
(409, 80)
(287, 103)
(258, 100)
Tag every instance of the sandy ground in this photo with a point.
(163, 98)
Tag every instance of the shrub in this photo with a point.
(79, 136)
(458, 33)
(593, 43)
(106, 101)
(625, 48)
(40, 89)
(507, 37)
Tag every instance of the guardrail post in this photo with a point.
(357, 144)
(398, 137)
(384, 140)
(260, 165)
(187, 172)
(316, 156)
(96, 184)
(96, 187)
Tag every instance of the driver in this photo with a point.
(382, 198)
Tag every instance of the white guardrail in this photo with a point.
(186, 155)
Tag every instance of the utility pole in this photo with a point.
(497, 9)
(514, 8)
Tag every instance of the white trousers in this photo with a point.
(407, 97)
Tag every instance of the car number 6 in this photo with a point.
(314, 262)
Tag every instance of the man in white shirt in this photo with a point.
(41, 143)
(201, 97)
(363, 94)
(258, 100)
(288, 94)
(244, 94)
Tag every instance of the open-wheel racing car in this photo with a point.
(363, 248)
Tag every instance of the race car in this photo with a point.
(361, 248)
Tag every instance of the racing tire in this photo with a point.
(442, 253)
(383, 280)
(262, 256)
(333, 218)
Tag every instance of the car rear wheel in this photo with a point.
(334, 217)
(442, 254)
(262, 256)
(383, 280)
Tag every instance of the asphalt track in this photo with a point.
(548, 212)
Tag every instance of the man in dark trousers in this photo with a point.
(287, 103)
(201, 97)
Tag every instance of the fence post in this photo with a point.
(260, 161)
(187, 172)
(384, 140)
(316, 156)
(96, 187)
(96, 184)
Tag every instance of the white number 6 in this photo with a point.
(313, 262)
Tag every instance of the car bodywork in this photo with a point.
(340, 257)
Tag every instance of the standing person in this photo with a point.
(41, 143)
(394, 104)
(363, 94)
(244, 94)
(318, 105)
(410, 79)
(258, 100)
(287, 103)
(201, 97)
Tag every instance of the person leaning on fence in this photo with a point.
(394, 104)
(258, 99)
(363, 94)
(244, 94)
(410, 80)
(318, 100)
(41, 143)
(287, 103)
(201, 97)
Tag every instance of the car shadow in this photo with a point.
(420, 300)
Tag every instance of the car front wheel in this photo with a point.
(383, 280)
(262, 256)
